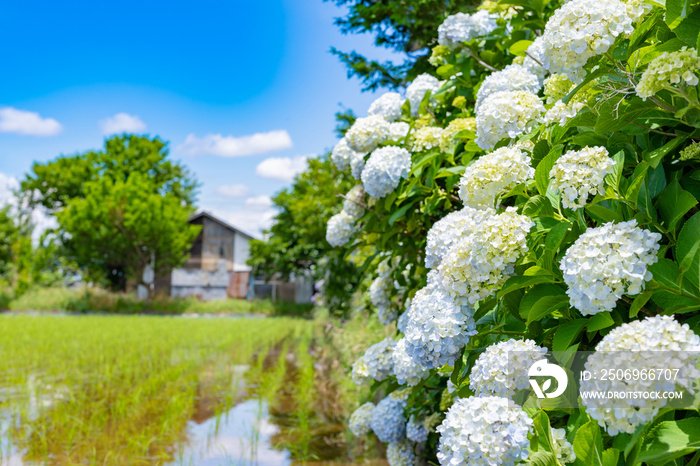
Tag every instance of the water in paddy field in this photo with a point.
(274, 403)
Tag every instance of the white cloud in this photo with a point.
(233, 191)
(231, 146)
(122, 123)
(281, 168)
(259, 202)
(28, 123)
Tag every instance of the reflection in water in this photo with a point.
(240, 437)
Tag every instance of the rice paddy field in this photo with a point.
(117, 390)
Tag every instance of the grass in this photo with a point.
(96, 300)
(121, 389)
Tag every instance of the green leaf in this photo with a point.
(567, 333)
(676, 11)
(688, 249)
(639, 303)
(654, 157)
(611, 457)
(538, 205)
(545, 306)
(670, 440)
(588, 445)
(603, 213)
(556, 235)
(542, 171)
(674, 299)
(519, 282)
(635, 185)
(641, 31)
(688, 30)
(600, 321)
(519, 48)
(543, 458)
(612, 179)
(674, 202)
(401, 212)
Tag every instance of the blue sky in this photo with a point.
(206, 76)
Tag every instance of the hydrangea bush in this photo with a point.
(561, 213)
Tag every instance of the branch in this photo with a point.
(481, 62)
(653, 130)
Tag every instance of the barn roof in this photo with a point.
(204, 214)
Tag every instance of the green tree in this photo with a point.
(296, 242)
(9, 232)
(120, 209)
(408, 27)
(127, 225)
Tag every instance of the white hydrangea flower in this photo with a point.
(387, 106)
(366, 134)
(631, 346)
(581, 29)
(416, 430)
(359, 420)
(426, 138)
(357, 164)
(668, 70)
(418, 88)
(384, 170)
(462, 27)
(342, 154)
(556, 87)
(561, 113)
(403, 318)
(352, 205)
(376, 363)
(492, 175)
(501, 369)
(398, 131)
(340, 229)
(437, 327)
(607, 262)
(579, 174)
(388, 421)
(510, 78)
(534, 59)
(478, 265)
(450, 229)
(400, 454)
(484, 431)
(563, 450)
(506, 114)
(407, 371)
(384, 293)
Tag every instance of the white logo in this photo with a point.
(543, 368)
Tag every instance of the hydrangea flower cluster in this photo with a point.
(388, 421)
(388, 106)
(510, 78)
(579, 174)
(501, 369)
(449, 229)
(492, 175)
(359, 420)
(426, 138)
(506, 114)
(342, 155)
(668, 70)
(403, 318)
(607, 262)
(398, 131)
(581, 29)
(690, 152)
(367, 133)
(384, 170)
(561, 113)
(462, 27)
(407, 371)
(633, 343)
(340, 229)
(563, 449)
(484, 431)
(556, 87)
(400, 454)
(447, 139)
(357, 164)
(352, 205)
(418, 88)
(479, 264)
(416, 430)
(376, 363)
(437, 327)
